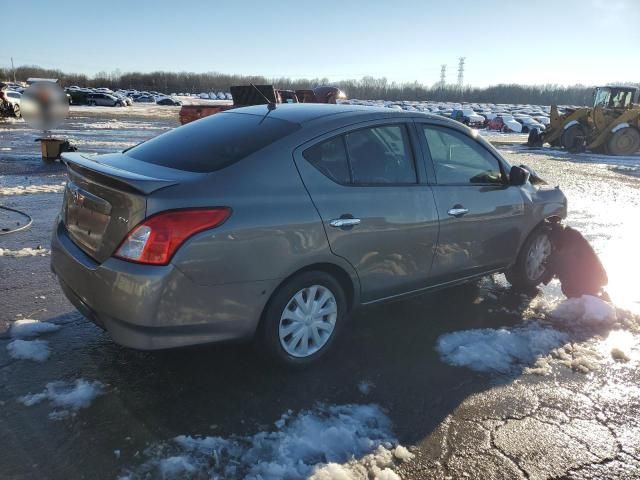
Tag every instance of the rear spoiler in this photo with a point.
(91, 167)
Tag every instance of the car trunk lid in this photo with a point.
(106, 197)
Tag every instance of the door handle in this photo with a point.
(458, 211)
(344, 222)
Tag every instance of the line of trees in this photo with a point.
(364, 88)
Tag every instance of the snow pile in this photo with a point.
(24, 252)
(585, 311)
(329, 442)
(37, 350)
(27, 328)
(565, 341)
(70, 396)
(499, 350)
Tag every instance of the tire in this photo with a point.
(625, 141)
(535, 139)
(92, 103)
(16, 111)
(571, 135)
(523, 275)
(285, 317)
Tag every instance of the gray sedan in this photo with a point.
(276, 223)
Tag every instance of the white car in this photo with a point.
(543, 119)
(204, 96)
(13, 98)
(510, 124)
(529, 124)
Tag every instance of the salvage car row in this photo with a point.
(501, 117)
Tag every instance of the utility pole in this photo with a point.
(14, 70)
(443, 75)
(461, 72)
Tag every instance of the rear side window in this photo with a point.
(369, 156)
(213, 142)
(380, 155)
(330, 158)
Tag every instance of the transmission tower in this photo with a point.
(461, 72)
(443, 75)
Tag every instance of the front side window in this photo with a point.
(380, 155)
(459, 160)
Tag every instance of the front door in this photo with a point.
(376, 208)
(481, 216)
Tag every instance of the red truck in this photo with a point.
(246, 95)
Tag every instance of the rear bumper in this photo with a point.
(150, 307)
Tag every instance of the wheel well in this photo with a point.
(337, 272)
(334, 270)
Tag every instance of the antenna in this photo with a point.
(270, 105)
(443, 75)
(461, 72)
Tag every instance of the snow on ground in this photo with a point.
(24, 252)
(26, 189)
(500, 350)
(27, 327)
(563, 338)
(69, 396)
(37, 350)
(328, 442)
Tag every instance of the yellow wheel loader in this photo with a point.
(611, 126)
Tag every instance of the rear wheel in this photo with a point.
(625, 141)
(303, 318)
(572, 135)
(16, 111)
(531, 268)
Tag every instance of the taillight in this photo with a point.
(157, 238)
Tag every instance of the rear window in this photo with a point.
(213, 142)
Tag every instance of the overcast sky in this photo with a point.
(529, 42)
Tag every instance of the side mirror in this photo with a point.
(518, 176)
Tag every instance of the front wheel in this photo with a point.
(303, 318)
(625, 141)
(531, 267)
(16, 111)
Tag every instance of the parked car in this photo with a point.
(12, 100)
(145, 99)
(529, 124)
(505, 123)
(468, 117)
(168, 101)
(172, 243)
(104, 100)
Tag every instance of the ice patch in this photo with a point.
(27, 328)
(23, 190)
(499, 350)
(328, 442)
(37, 350)
(70, 396)
(24, 252)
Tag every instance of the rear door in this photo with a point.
(481, 216)
(377, 209)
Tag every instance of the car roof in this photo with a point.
(302, 113)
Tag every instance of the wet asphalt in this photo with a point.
(459, 423)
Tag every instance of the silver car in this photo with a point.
(276, 223)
